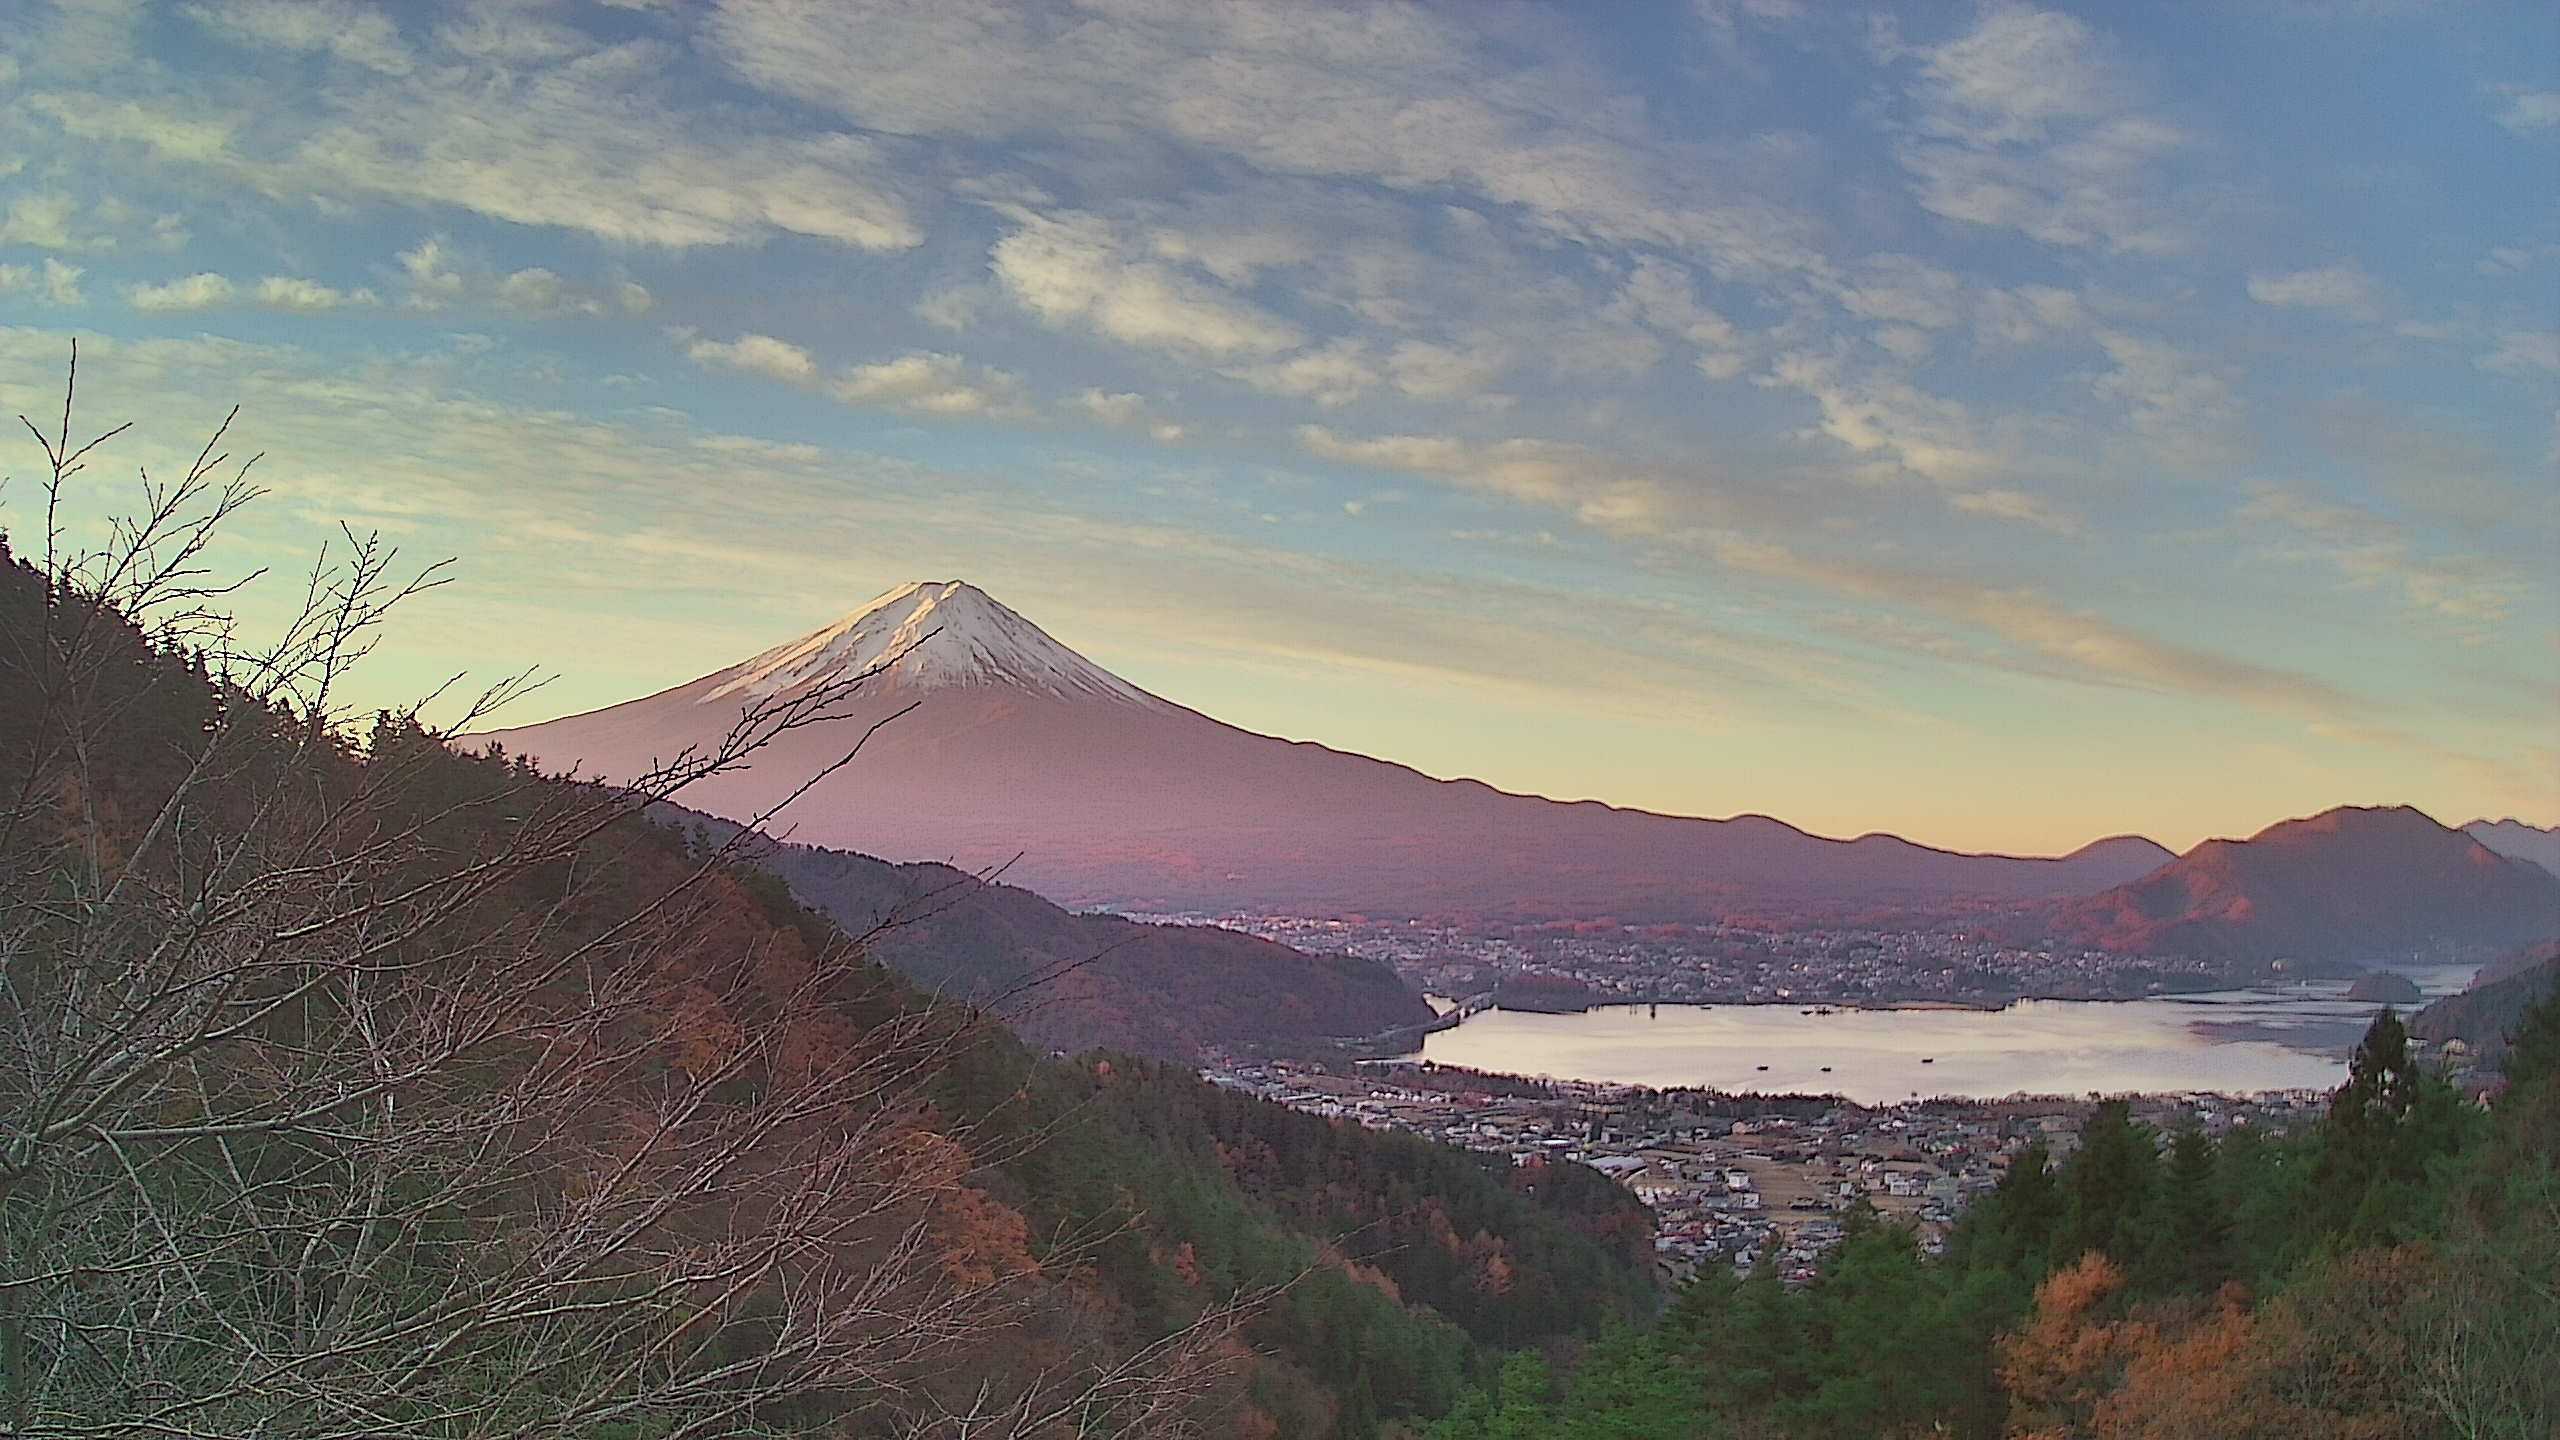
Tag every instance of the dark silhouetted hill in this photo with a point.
(1065, 981)
(2517, 962)
(2483, 1016)
(2388, 987)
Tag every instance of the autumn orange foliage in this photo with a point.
(2325, 1359)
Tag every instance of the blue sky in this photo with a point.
(2000, 424)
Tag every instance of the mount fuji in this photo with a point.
(1018, 746)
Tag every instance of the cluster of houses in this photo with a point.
(1726, 963)
(1737, 1181)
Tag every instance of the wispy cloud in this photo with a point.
(195, 292)
(43, 221)
(1397, 96)
(305, 297)
(2186, 409)
(924, 382)
(757, 355)
(934, 384)
(211, 290)
(2345, 285)
(2372, 550)
(361, 36)
(2524, 353)
(53, 282)
(589, 141)
(1073, 269)
(2526, 111)
(1609, 495)
(2026, 123)
(2080, 642)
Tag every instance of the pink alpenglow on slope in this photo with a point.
(1019, 746)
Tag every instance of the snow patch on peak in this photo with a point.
(929, 635)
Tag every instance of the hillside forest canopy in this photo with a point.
(355, 1086)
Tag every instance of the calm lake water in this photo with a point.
(2232, 1041)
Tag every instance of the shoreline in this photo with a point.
(1985, 1006)
(2151, 1045)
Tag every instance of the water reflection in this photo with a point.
(2233, 1041)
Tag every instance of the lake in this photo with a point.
(2229, 1041)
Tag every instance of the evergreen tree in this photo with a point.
(2386, 1129)
(2381, 1081)
(1885, 1359)
(2107, 1184)
(2013, 1227)
(1630, 1388)
(2190, 1245)
(1520, 1405)
(2264, 1182)
(2533, 1049)
(1768, 1345)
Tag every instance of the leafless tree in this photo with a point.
(348, 1088)
(2483, 1321)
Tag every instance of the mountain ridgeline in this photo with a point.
(2343, 889)
(1070, 982)
(1004, 748)
(1018, 746)
(2537, 843)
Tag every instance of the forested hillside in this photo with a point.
(1064, 981)
(2392, 1275)
(355, 1087)
(2493, 1008)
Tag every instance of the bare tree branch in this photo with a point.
(351, 1087)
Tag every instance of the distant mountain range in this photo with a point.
(1064, 981)
(2522, 841)
(1019, 746)
(2343, 889)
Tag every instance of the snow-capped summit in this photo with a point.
(987, 744)
(931, 635)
